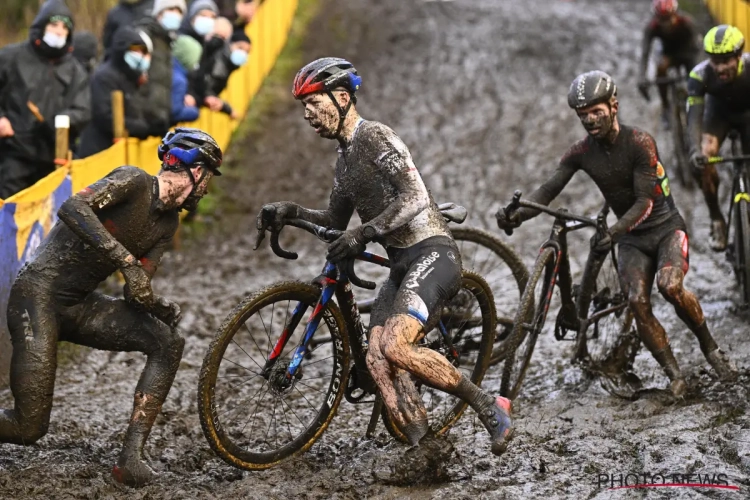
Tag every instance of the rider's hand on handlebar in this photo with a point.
(350, 244)
(506, 221)
(138, 286)
(272, 217)
(167, 311)
(698, 161)
(601, 243)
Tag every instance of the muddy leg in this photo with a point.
(115, 325)
(637, 276)
(34, 330)
(673, 257)
(399, 394)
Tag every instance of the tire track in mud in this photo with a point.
(477, 90)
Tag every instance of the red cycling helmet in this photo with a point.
(664, 8)
(324, 75)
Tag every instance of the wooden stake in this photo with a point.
(118, 115)
(62, 140)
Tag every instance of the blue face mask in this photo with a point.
(203, 25)
(238, 57)
(171, 21)
(137, 62)
(54, 40)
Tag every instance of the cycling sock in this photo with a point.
(476, 397)
(666, 360)
(705, 339)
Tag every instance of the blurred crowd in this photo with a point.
(168, 57)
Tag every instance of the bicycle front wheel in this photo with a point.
(253, 416)
(608, 344)
(528, 324)
(469, 317)
(742, 248)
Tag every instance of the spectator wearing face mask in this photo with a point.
(161, 26)
(125, 70)
(39, 79)
(86, 49)
(230, 51)
(126, 13)
(187, 53)
(200, 20)
(239, 12)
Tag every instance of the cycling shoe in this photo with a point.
(497, 421)
(722, 365)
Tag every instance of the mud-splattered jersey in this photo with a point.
(375, 176)
(122, 208)
(736, 94)
(629, 175)
(681, 37)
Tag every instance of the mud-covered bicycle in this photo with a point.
(604, 340)
(677, 94)
(739, 213)
(265, 395)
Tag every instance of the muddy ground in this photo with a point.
(476, 88)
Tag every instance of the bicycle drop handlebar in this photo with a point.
(325, 234)
(517, 203)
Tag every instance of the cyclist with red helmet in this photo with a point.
(124, 221)
(718, 100)
(376, 176)
(680, 46)
(650, 232)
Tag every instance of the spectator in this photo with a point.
(161, 26)
(215, 69)
(125, 70)
(201, 19)
(86, 49)
(239, 12)
(39, 79)
(187, 53)
(126, 13)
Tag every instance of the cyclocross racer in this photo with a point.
(718, 100)
(375, 176)
(124, 221)
(650, 233)
(680, 49)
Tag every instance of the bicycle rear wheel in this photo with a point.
(528, 323)
(609, 344)
(502, 269)
(469, 317)
(254, 419)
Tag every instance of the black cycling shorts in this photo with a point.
(422, 278)
(719, 118)
(657, 248)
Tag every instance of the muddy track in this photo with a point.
(476, 88)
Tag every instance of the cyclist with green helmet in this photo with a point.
(718, 100)
(376, 176)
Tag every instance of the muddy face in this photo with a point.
(598, 120)
(726, 67)
(321, 113)
(191, 203)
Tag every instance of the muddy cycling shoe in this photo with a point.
(722, 365)
(497, 421)
(133, 472)
(718, 240)
(678, 387)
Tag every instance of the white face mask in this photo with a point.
(171, 21)
(204, 25)
(54, 40)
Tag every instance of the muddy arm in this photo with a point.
(547, 192)
(336, 216)
(696, 100)
(648, 37)
(79, 213)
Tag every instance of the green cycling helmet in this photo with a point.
(723, 40)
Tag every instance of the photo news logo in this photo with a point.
(644, 480)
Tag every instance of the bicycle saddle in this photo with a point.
(453, 213)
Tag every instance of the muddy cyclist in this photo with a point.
(124, 221)
(375, 176)
(650, 232)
